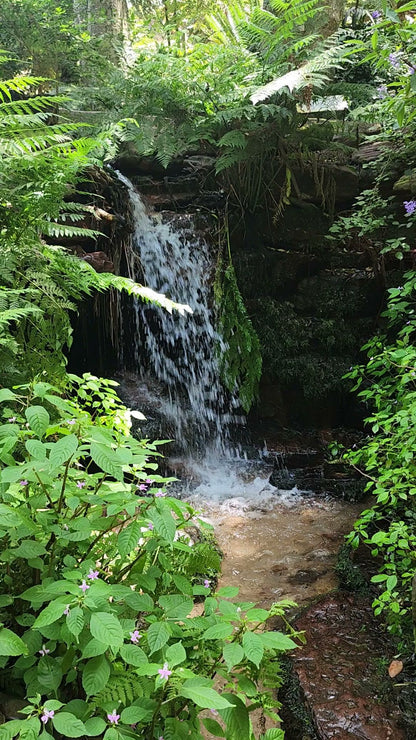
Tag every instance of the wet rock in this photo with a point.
(340, 688)
(99, 261)
(10, 706)
(305, 576)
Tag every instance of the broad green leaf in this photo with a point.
(68, 725)
(213, 727)
(11, 644)
(176, 606)
(8, 730)
(157, 636)
(277, 641)
(236, 718)
(49, 674)
(106, 459)
(63, 450)
(36, 449)
(133, 655)
(38, 419)
(6, 395)
(228, 592)
(9, 517)
(233, 654)
(50, 614)
(175, 654)
(95, 726)
(29, 549)
(253, 647)
(94, 647)
(274, 734)
(128, 538)
(141, 711)
(203, 696)
(140, 602)
(106, 628)
(164, 523)
(218, 631)
(257, 615)
(183, 584)
(75, 620)
(95, 675)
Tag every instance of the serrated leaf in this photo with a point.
(50, 614)
(63, 450)
(9, 517)
(106, 459)
(236, 717)
(29, 549)
(49, 673)
(106, 628)
(233, 654)
(36, 449)
(11, 644)
(133, 655)
(218, 631)
(128, 538)
(203, 696)
(175, 654)
(75, 620)
(140, 602)
(93, 648)
(68, 725)
(6, 395)
(157, 636)
(253, 647)
(164, 523)
(141, 711)
(277, 641)
(95, 675)
(38, 419)
(228, 592)
(183, 584)
(176, 606)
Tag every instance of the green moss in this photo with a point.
(348, 572)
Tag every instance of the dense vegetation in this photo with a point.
(100, 567)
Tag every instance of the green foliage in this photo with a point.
(96, 592)
(240, 357)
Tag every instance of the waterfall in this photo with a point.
(179, 352)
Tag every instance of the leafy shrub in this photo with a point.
(99, 575)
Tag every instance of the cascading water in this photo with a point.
(179, 351)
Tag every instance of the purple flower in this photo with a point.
(81, 484)
(207, 583)
(164, 672)
(47, 714)
(409, 207)
(142, 487)
(24, 482)
(382, 92)
(44, 650)
(150, 526)
(135, 636)
(376, 14)
(71, 422)
(148, 481)
(84, 586)
(113, 717)
(394, 60)
(66, 610)
(11, 420)
(160, 493)
(93, 575)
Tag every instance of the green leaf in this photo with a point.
(133, 655)
(157, 636)
(107, 460)
(36, 449)
(75, 620)
(140, 602)
(11, 644)
(95, 726)
(106, 628)
(95, 675)
(253, 647)
(175, 654)
(228, 592)
(203, 696)
(29, 549)
(183, 584)
(141, 711)
(257, 615)
(94, 647)
(9, 517)
(50, 614)
(274, 734)
(218, 632)
(6, 395)
(38, 419)
(277, 641)
(8, 730)
(213, 727)
(128, 539)
(68, 725)
(164, 523)
(233, 654)
(236, 718)
(49, 673)
(176, 606)
(63, 450)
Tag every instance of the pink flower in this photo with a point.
(24, 482)
(164, 672)
(113, 717)
(84, 586)
(150, 526)
(148, 481)
(207, 583)
(71, 422)
(81, 484)
(142, 487)
(66, 610)
(135, 636)
(44, 650)
(160, 493)
(47, 714)
(93, 575)
(11, 420)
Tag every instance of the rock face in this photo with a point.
(342, 676)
